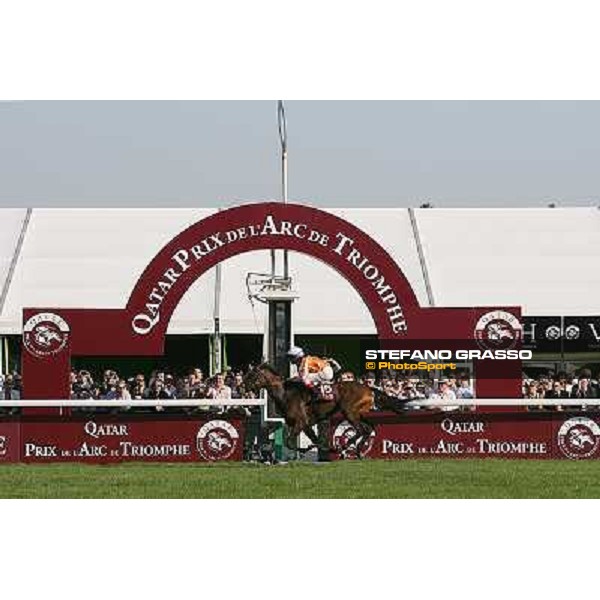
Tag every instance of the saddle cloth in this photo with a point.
(326, 392)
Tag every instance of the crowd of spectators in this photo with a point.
(545, 385)
(405, 387)
(561, 385)
(165, 384)
(161, 384)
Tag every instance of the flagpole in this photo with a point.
(284, 175)
(216, 362)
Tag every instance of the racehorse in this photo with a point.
(295, 403)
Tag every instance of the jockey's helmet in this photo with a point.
(295, 352)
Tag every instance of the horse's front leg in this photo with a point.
(291, 439)
(294, 434)
(319, 440)
(312, 436)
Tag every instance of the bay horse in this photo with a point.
(296, 404)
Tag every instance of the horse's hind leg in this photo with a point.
(319, 440)
(292, 438)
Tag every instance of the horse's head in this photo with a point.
(262, 377)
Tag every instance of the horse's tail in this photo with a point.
(384, 401)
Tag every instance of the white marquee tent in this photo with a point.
(546, 260)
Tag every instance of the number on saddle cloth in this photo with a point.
(326, 392)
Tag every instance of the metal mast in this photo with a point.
(216, 364)
(281, 122)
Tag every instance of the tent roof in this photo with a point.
(545, 260)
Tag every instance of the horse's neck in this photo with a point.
(276, 391)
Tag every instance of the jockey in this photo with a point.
(312, 370)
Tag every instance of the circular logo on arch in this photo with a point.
(498, 329)
(217, 440)
(579, 437)
(45, 334)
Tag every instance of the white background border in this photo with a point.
(315, 49)
(245, 50)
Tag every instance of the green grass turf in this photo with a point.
(429, 478)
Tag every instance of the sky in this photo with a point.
(341, 153)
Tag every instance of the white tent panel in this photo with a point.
(88, 258)
(391, 228)
(11, 222)
(237, 315)
(327, 302)
(545, 260)
(194, 313)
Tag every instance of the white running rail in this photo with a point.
(131, 403)
(430, 403)
(480, 402)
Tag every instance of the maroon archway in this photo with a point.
(356, 256)
(140, 328)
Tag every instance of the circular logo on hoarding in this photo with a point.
(552, 332)
(498, 329)
(45, 334)
(217, 440)
(572, 332)
(344, 433)
(579, 437)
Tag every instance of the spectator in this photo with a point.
(82, 385)
(109, 391)
(158, 391)
(369, 380)
(109, 383)
(155, 377)
(446, 393)
(410, 391)
(238, 389)
(170, 386)
(465, 391)
(556, 391)
(219, 391)
(139, 389)
(122, 391)
(584, 388)
(193, 385)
